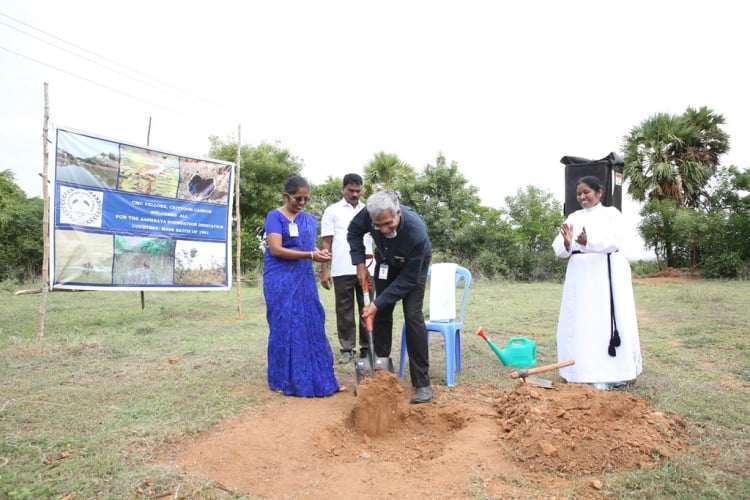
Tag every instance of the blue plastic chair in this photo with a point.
(450, 329)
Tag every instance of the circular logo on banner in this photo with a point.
(81, 207)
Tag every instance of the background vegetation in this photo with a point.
(695, 210)
(96, 408)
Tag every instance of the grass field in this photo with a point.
(92, 407)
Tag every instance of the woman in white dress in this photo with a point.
(597, 326)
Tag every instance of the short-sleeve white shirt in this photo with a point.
(335, 222)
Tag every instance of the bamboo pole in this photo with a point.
(148, 144)
(238, 219)
(45, 218)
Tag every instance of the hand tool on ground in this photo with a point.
(523, 374)
(368, 365)
(539, 382)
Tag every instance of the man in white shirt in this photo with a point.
(343, 275)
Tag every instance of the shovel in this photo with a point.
(367, 366)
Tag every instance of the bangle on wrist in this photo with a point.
(312, 256)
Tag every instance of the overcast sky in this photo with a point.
(504, 89)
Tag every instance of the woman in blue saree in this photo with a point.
(300, 359)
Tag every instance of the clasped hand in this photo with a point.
(567, 233)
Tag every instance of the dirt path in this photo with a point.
(471, 441)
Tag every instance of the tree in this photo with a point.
(21, 245)
(386, 171)
(534, 216)
(673, 157)
(9, 191)
(657, 229)
(262, 174)
(322, 195)
(724, 248)
(486, 244)
(441, 195)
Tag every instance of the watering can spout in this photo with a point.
(498, 352)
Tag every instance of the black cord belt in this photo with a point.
(578, 251)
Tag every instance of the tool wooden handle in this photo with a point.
(367, 301)
(530, 371)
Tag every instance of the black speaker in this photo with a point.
(608, 170)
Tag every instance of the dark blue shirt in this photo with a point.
(405, 253)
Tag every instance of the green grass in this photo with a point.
(93, 407)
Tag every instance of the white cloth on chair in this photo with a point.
(442, 292)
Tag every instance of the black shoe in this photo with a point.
(422, 395)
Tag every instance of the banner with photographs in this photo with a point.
(132, 218)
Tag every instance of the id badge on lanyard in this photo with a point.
(383, 272)
(293, 230)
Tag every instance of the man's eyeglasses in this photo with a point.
(387, 224)
(384, 225)
(299, 199)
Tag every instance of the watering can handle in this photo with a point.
(522, 340)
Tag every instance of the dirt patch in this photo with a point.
(470, 441)
(670, 275)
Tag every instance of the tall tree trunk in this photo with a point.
(670, 255)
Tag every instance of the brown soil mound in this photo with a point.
(379, 405)
(470, 441)
(581, 430)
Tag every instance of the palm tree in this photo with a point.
(672, 157)
(386, 171)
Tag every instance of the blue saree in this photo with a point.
(300, 360)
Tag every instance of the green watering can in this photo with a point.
(519, 351)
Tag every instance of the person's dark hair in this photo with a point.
(294, 182)
(592, 182)
(353, 179)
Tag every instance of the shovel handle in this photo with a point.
(366, 295)
(530, 371)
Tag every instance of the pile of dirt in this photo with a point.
(670, 275)
(678, 272)
(379, 406)
(471, 440)
(582, 430)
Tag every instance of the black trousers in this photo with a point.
(346, 289)
(417, 345)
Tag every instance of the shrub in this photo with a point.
(726, 265)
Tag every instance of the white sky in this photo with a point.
(505, 89)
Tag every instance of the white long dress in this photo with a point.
(584, 324)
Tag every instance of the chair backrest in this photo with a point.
(461, 274)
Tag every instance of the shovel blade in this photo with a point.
(385, 364)
(363, 369)
(540, 382)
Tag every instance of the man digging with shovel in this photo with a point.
(402, 259)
